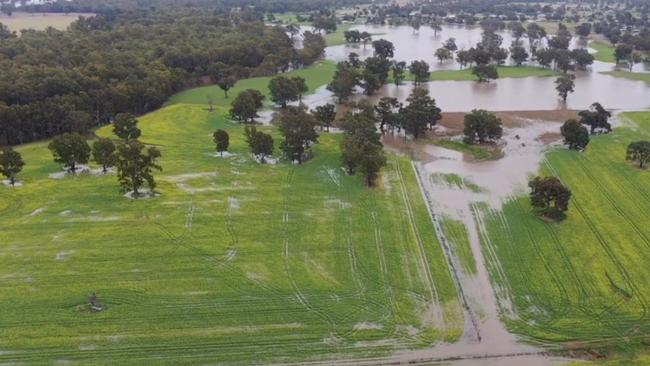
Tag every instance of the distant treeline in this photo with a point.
(54, 82)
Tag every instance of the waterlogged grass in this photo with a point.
(456, 233)
(477, 152)
(234, 262)
(316, 75)
(456, 181)
(604, 51)
(584, 279)
(504, 72)
(639, 76)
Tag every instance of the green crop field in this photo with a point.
(234, 262)
(316, 75)
(585, 279)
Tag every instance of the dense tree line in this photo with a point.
(56, 82)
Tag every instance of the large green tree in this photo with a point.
(596, 117)
(419, 113)
(135, 164)
(221, 140)
(564, 85)
(299, 130)
(70, 149)
(420, 71)
(383, 48)
(125, 126)
(325, 115)
(283, 90)
(245, 106)
(545, 191)
(103, 153)
(485, 73)
(361, 148)
(259, 143)
(345, 80)
(575, 135)
(638, 151)
(11, 163)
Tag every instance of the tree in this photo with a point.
(464, 58)
(450, 44)
(398, 69)
(345, 80)
(283, 90)
(260, 143)
(443, 54)
(383, 48)
(575, 135)
(596, 117)
(547, 190)
(325, 115)
(387, 109)
(485, 73)
(638, 151)
(103, 153)
(365, 38)
(583, 30)
(518, 53)
(564, 85)
(481, 126)
(623, 52)
(517, 30)
(11, 163)
(221, 140)
(135, 166)
(70, 149)
(298, 129)
(225, 83)
(545, 56)
(582, 58)
(125, 126)
(301, 86)
(361, 149)
(420, 112)
(245, 106)
(420, 71)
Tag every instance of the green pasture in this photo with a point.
(235, 262)
(316, 75)
(586, 278)
(604, 51)
(639, 76)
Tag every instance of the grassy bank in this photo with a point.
(477, 152)
(316, 75)
(584, 279)
(504, 72)
(604, 51)
(639, 76)
(234, 262)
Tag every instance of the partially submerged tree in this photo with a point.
(298, 129)
(103, 153)
(388, 112)
(70, 149)
(420, 71)
(575, 135)
(245, 106)
(549, 190)
(443, 54)
(420, 113)
(125, 126)
(221, 140)
(485, 73)
(345, 80)
(564, 85)
(481, 126)
(325, 115)
(11, 163)
(260, 143)
(135, 166)
(383, 48)
(638, 151)
(398, 69)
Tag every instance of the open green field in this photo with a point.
(316, 75)
(583, 280)
(38, 21)
(234, 262)
(604, 51)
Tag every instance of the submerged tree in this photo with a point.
(575, 135)
(398, 69)
(70, 149)
(103, 153)
(549, 190)
(638, 151)
(419, 113)
(11, 163)
(443, 54)
(388, 112)
(481, 126)
(383, 48)
(564, 85)
(298, 129)
(260, 143)
(125, 126)
(135, 166)
(420, 71)
(221, 140)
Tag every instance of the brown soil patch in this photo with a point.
(454, 120)
(549, 137)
